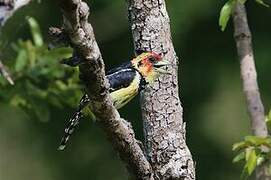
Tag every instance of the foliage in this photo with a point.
(225, 13)
(227, 10)
(268, 120)
(40, 81)
(254, 151)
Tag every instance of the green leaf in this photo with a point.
(260, 160)
(268, 123)
(251, 159)
(269, 115)
(31, 52)
(262, 3)
(36, 32)
(244, 175)
(225, 13)
(257, 141)
(242, 1)
(239, 157)
(268, 120)
(59, 53)
(21, 60)
(239, 145)
(18, 100)
(61, 85)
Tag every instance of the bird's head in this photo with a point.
(150, 64)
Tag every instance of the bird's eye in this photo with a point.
(139, 63)
(152, 59)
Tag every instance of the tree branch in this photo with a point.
(92, 74)
(5, 73)
(9, 7)
(161, 107)
(243, 38)
(255, 106)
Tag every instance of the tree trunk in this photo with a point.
(162, 112)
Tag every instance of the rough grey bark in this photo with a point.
(9, 7)
(255, 106)
(161, 107)
(92, 73)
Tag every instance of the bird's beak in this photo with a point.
(158, 66)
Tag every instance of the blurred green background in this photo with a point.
(210, 90)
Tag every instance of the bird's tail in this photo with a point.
(73, 122)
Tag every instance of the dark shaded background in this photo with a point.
(210, 90)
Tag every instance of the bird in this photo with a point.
(125, 82)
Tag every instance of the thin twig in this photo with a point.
(5, 73)
(92, 73)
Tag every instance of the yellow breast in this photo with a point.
(122, 96)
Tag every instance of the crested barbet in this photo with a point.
(125, 82)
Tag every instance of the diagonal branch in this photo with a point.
(255, 106)
(5, 73)
(92, 73)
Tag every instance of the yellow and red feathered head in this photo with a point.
(149, 64)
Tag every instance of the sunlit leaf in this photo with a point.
(260, 160)
(31, 52)
(61, 85)
(251, 160)
(36, 32)
(262, 3)
(18, 100)
(257, 141)
(59, 53)
(21, 60)
(239, 145)
(268, 122)
(269, 114)
(225, 13)
(239, 157)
